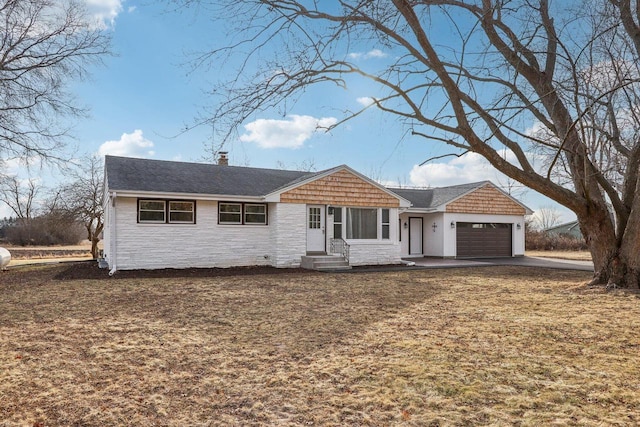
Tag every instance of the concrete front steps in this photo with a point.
(324, 263)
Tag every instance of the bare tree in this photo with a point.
(546, 217)
(82, 198)
(548, 93)
(307, 165)
(44, 45)
(20, 196)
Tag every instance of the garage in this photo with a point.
(475, 240)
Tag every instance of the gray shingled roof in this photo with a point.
(431, 198)
(129, 174)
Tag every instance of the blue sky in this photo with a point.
(141, 99)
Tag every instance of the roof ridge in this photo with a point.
(469, 184)
(205, 164)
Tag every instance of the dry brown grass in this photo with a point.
(571, 255)
(488, 346)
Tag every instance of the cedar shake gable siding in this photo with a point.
(341, 188)
(486, 200)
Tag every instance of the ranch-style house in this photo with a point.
(168, 214)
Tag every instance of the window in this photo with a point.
(230, 213)
(314, 218)
(151, 211)
(362, 223)
(481, 225)
(337, 223)
(242, 213)
(167, 211)
(255, 214)
(385, 223)
(181, 212)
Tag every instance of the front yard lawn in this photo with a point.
(486, 346)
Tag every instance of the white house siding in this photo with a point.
(432, 241)
(204, 244)
(442, 241)
(287, 222)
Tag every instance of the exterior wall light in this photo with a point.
(518, 226)
(434, 226)
(453, 224)
(405, 225)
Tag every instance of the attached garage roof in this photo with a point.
(432, 198)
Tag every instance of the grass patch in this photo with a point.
(489, 346)
(570, 255)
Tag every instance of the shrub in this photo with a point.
(541, 241)
(50, 229)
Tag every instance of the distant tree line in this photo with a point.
(62, 215)
(53, 228)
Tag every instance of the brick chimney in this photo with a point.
(223, 160)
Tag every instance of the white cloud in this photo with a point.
(373, 53)
(105, 12)
(130, 144)
(365, 101)
(471, 167)
(289, 133)
(16, 165)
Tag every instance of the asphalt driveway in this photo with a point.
(521, 261)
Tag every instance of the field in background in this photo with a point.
(571, 255)
(43, 254)
(487, 346)
(21, 255)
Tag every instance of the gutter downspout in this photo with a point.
(112, 239)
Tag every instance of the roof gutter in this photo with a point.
(188, 196)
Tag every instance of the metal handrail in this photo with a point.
(339, 246)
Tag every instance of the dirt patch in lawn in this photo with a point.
(90, 270)
(489, 346)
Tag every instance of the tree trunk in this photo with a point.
(94, 247)
(630, 247)
(615, 260)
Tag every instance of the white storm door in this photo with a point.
(315, 228)
(415, 236)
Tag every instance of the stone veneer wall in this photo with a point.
(288, 234)
(204, 244)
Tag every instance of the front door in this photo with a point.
(415, 236)
(315, 228)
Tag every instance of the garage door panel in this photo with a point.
(483, 240)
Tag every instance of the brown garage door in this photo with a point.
(483, 240)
